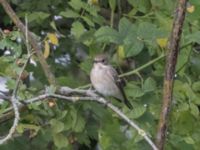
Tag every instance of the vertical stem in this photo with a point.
(171, 60)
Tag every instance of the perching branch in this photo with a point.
(49, 75)
(89, 96)
(171, 60)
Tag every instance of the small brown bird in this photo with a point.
(105, 80)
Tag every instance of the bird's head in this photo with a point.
(100, 59)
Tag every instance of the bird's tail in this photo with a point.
(125, 100)
(128, 104)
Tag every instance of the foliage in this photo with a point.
(72, 32)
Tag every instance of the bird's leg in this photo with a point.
(99, 95)
(107, 101)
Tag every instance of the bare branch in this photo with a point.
(173, 49)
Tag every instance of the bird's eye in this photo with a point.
(103, 60)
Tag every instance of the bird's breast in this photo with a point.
(102, 82)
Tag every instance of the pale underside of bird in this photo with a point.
(105, 80)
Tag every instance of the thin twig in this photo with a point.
(135, 71)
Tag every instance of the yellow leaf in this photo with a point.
(162, 42)
(52, 38)
(93, 2)
(120, 52)
(190, 8)
(46, 49)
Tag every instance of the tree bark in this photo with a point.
(171, 60)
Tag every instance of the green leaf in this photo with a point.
(196, 86)
(57, 126)
(83, 139)
(194, 110)
(138, 111)
(195, 62)
(22, 127)
(184, 122)
(77, 29)
(91, 9)
(126, 28)
(193, 37)
(133, 49)
(92, 130)
(165, 21)
(148, 32)
(189, 140)
(86, 66)
(15, 48)
(63, 114)
(88, 20)
(69, 14)
(60, 140)
(183, 58)
(142, 5)
(183, 107)
(76, 4)
(128, 33)
(107, 34)
(79, 123)
(112, 4)
(111, 136)
(15, 35)
(68, 122)
(11, 84)
(149, 85)
(133, 90)
(37, 16)
(3, 43)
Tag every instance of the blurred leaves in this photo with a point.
(131, 36)
(149, 85)
(60, 140)
(71, 33)
(38, 17)
(57, 126)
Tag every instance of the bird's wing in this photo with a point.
(112, 73)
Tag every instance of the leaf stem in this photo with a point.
(135, 71)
